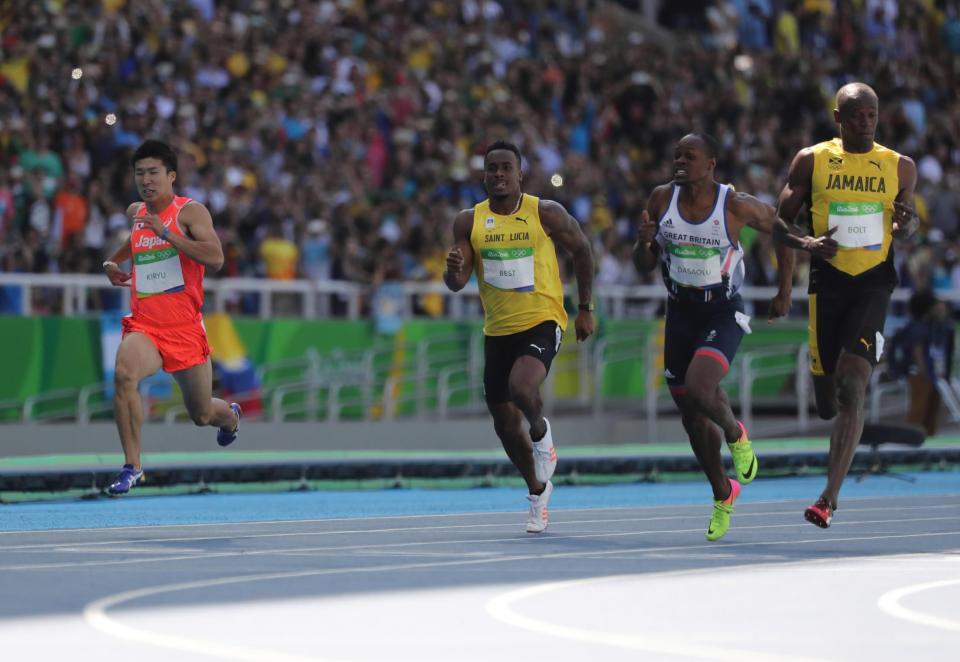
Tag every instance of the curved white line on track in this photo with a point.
(890, 603)
(95, 613)
(502, 609)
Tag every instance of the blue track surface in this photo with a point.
(207, 508)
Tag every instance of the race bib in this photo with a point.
(158, 271)
(508, 268)
(859, 224)
(694, 266)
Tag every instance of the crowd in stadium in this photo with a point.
(336, 139)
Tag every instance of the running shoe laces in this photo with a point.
(745, 461)
(226, 437)
(127, 478)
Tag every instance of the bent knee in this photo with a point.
(124, 377)
(201, 419)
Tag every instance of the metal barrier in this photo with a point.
(617, 301)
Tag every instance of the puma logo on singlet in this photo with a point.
(866, 344)
(539, 349)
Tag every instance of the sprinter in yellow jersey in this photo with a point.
(509, 240)
(860, 197)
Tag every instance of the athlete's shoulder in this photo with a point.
(549, 206)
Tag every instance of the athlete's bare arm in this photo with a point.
(905, 219)
(796, 194)
(565, 232)
(200, 242)
(745, 209)
(460, 257)
(646, 251)
(111, 267)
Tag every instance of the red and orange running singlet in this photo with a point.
(167, 286)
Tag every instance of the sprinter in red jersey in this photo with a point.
(171, 244)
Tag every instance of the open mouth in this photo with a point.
(680, 172)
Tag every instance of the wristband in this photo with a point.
(109, 263)
(166, 231)
(588, 307)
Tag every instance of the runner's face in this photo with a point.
(502, 175)
(153, 179)
(858, 119)
(691, 163)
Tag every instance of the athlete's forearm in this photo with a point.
(789, 236)
(207, 253)
(644, 257)
(122, 254)
(583, 268)
(455, 283)
(785, 261)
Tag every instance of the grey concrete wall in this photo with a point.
(472, 434)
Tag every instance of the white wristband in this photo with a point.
(108, 263)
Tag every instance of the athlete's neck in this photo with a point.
(159, 204)
(506, 205)
(701, 191)
(856, 145)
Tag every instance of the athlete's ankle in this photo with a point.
(538, 430)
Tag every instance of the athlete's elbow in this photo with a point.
(216, 264)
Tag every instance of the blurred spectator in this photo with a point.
(923, 352)
(374, 115)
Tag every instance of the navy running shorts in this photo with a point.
(713, 329)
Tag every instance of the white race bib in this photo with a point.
(158, 271)
(695, 266)
(859, 224)
(508, 268)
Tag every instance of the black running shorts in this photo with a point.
(848, 319)
(542, 342)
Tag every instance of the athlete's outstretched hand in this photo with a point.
(779, 306)
(454, 261)
(118, 276)
(648, 229)
(824, 246)
(584, 325)
(905, 219)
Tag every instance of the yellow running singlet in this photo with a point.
(516, 265)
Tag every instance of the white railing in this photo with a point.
(314, 296)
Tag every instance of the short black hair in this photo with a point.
(711, 144)
(156, 149)
(503, 144)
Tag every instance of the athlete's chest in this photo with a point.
(507, 230)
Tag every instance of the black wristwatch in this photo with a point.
(586, 306)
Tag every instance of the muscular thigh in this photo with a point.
(137, 357)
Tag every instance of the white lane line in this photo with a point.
(445, 527)
(660, 507)
(502, 609)
(890, 603)
(468, 541)
(95, 613)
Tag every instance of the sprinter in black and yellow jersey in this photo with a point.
(860, 194)
(509, 240)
